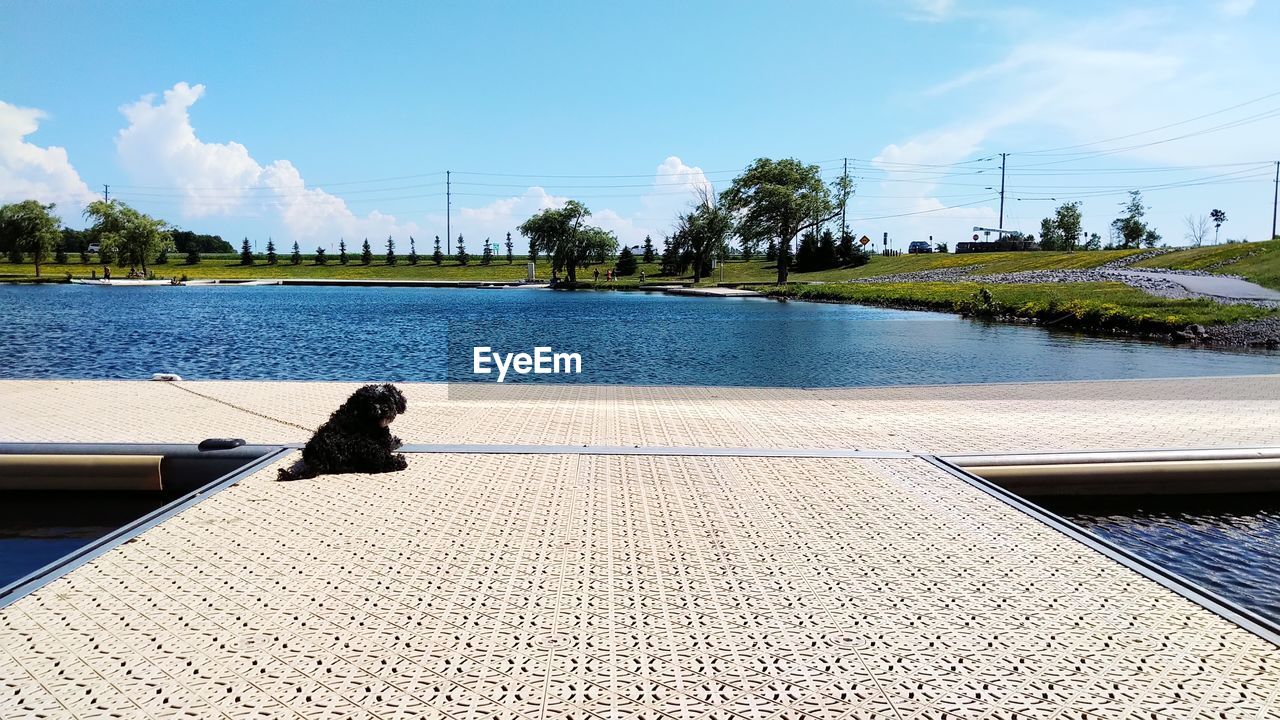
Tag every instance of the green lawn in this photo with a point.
(1259, 262)
(1084, 306)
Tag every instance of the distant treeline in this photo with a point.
(73, 241)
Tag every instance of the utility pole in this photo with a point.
(844, 200)
(1002, 157)
(448, 213)
(1275, 200)
(106, 193)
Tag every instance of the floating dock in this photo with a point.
(636, 552)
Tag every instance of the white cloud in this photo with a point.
(28, 171)
(160, 148)
(1083, 82)
(1236, 8)
(673, 190)
(930, 10)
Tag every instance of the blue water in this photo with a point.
(427, 334)
(1228, 545)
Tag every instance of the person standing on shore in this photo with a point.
(106, 272)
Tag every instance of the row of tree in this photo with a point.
(34, 229)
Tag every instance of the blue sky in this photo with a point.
(314, 120)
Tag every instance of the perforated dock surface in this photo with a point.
(608, 586)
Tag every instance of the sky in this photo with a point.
(319, 120)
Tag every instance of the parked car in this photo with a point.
(919, 246)
(94, 247)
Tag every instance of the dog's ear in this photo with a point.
(397, 397)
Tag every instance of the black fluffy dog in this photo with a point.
(356, 438)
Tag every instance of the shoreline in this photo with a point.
(1258, 333)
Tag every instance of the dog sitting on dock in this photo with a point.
(356, 438)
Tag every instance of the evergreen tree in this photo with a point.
(413, 251)
(626, 264)
(272, 258)
(366, 254)
(533, 251)
(296, 257)
(342, 252)
(648, 249)
(437, 256)
(60, 256)
(827, 258)
(487, 256)
(845, 250)
(84, 254)
(807, 253)
(670, 258)
(193, 254)
(161, 259)
(391, 251)
(771, 250)
(510, 256)
(320, 258)
(246, 254)
(462, 252)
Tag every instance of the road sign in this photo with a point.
(864, 239)
(975, 236)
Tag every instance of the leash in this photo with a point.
(233, 406)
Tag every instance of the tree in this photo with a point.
(184, 239)
(161, 259)
(461, 255)
(556, 231)
(511, 258)
(533, 250)
(391, 251)
(1050, 236)
(670, 258)
(1129, 230)
(701, 234)
(126, 234)
(246, 253)
(1197, 229)
(60, 255)
(366, 253)
(827, 256)
(1094, 243)
(807, 252)
(32, 228)
(940, 248)
(413, 251)
(780, 198)
(487, 256)
(272, 258)
(1218, 218)
(437, 257)
(648, 249)
(626, 264)
(1062, 231)
(846, 248)
(84, 254)
(342, 252)
(296, 257)
(320, 258)
(193, 254)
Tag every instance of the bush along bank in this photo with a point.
(1097, 308)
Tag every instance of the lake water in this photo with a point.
(427, 334)
(1229, 545)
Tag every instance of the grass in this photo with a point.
(1258, 262)
(1094, 307)
(736, 271)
